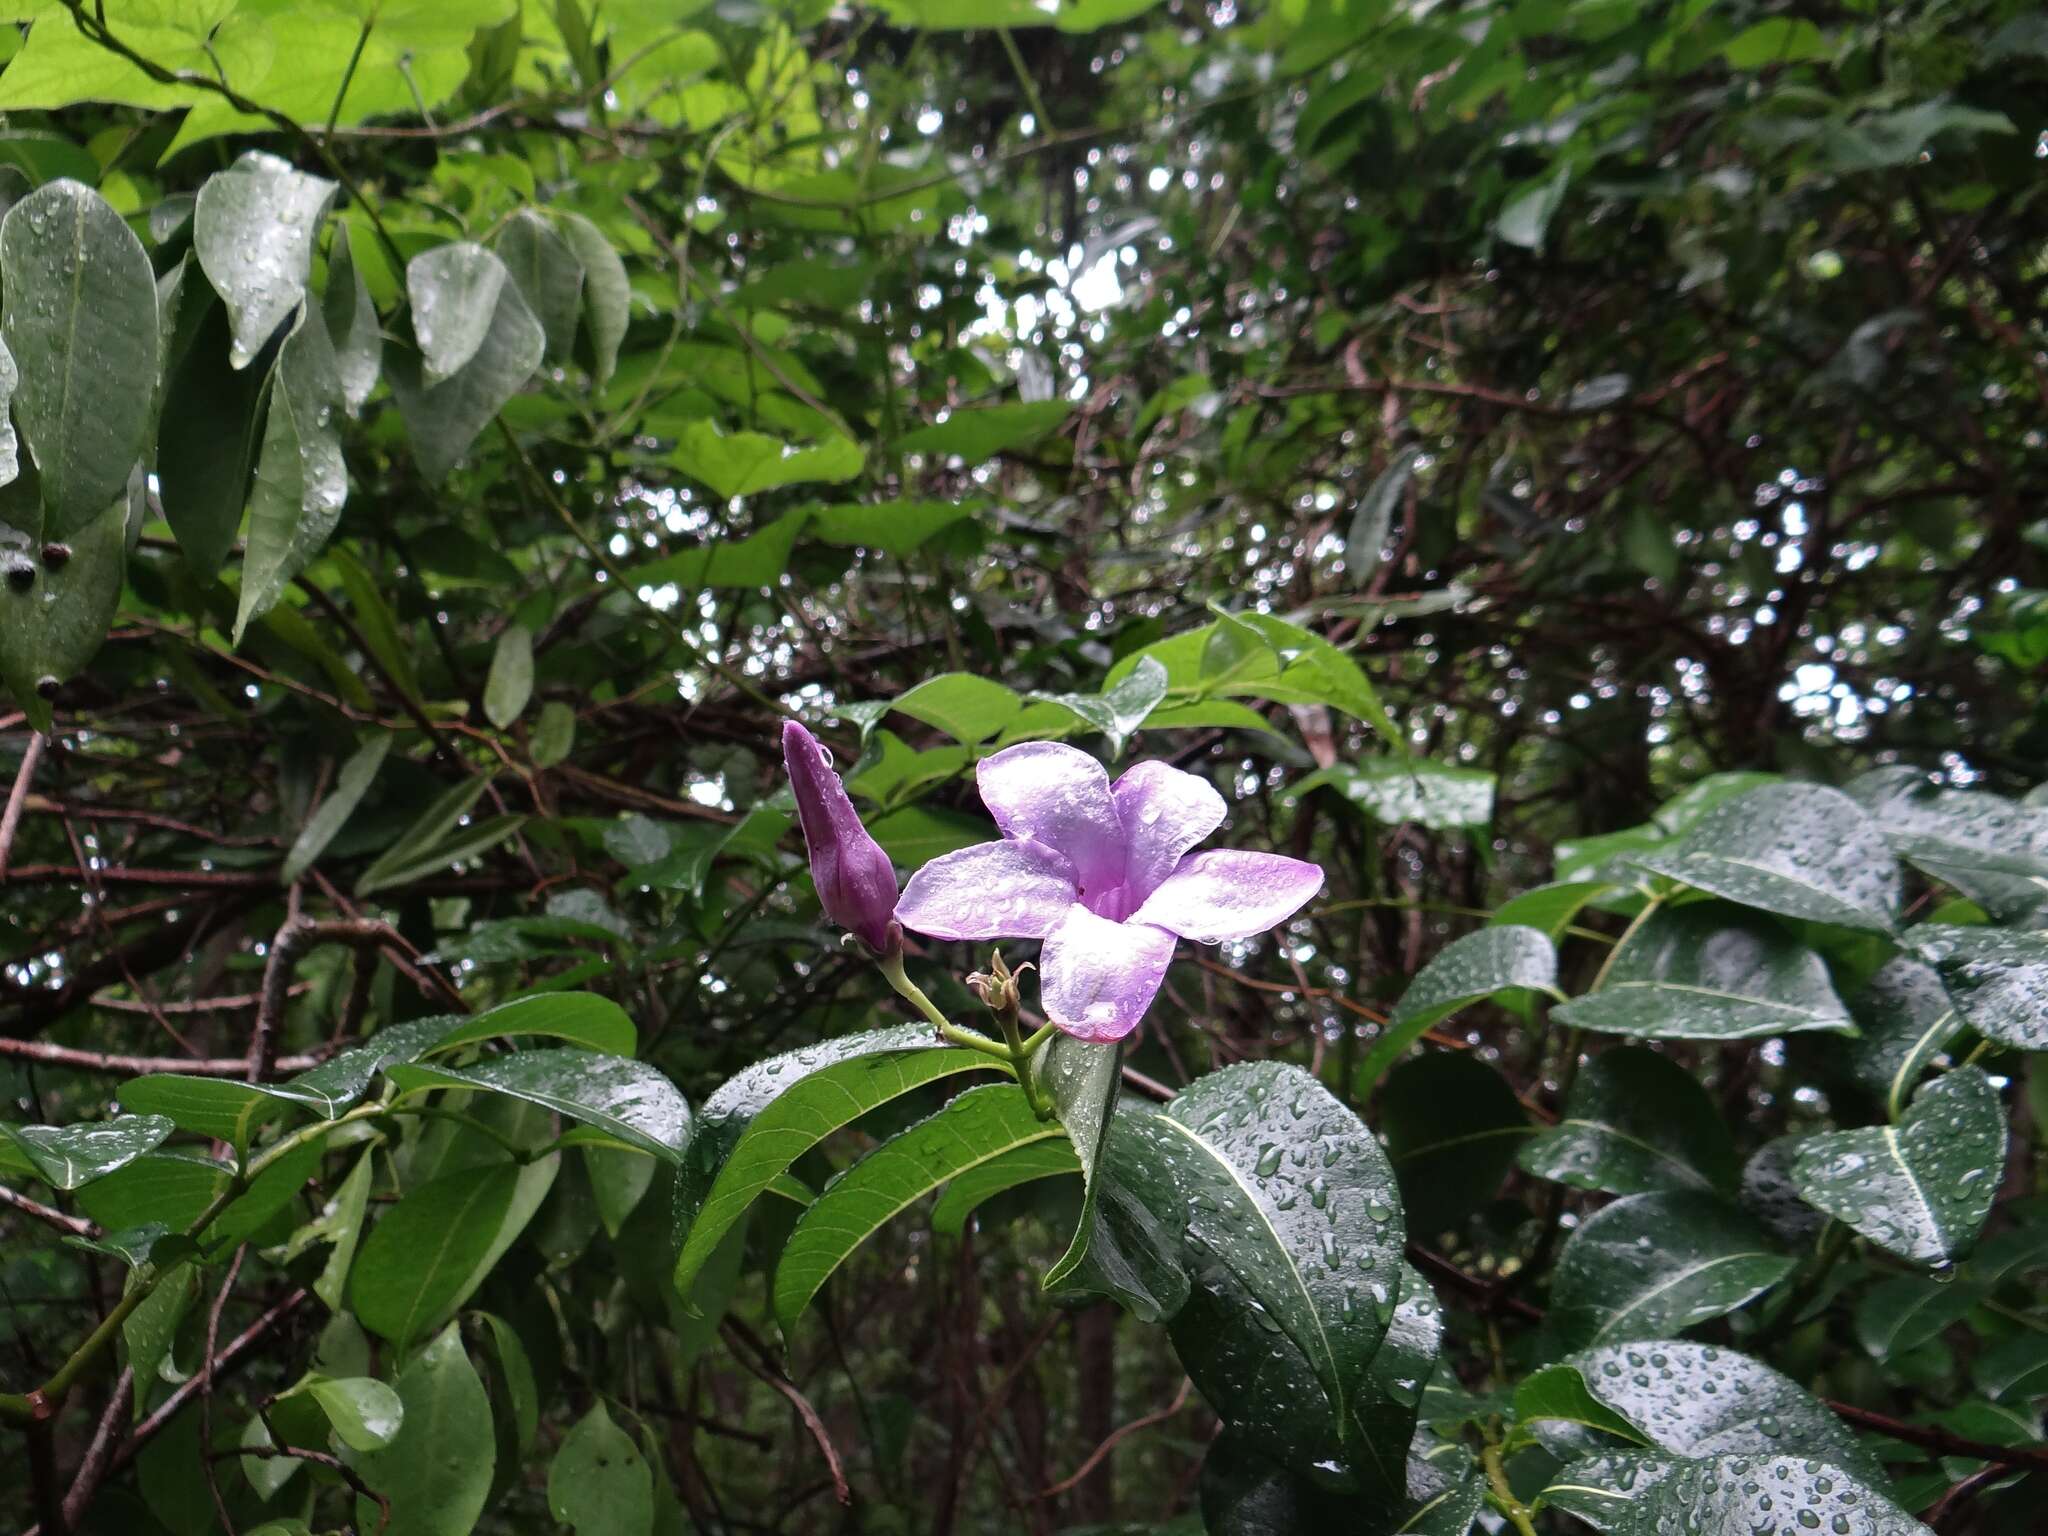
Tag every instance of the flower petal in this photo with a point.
(1015, 889)
(1229, 893)
(1059, 796)
(1097, 978)
(1165, 812)
(856, 883)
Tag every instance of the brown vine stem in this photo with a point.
(10, 819)
(752, 1354)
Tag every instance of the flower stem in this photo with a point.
(1013, 1052)
(1501, 1496)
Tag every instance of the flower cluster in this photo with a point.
(1104, 873)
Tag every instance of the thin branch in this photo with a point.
(49, 1216)
(1116, 1437)
(139, 1066)
(10, 819)
(750, 1353)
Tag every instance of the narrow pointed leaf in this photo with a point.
(352, 324)
(413, 1266)
(581, 1018)
(626, 1099)
(208, 438)
(1083, 1080)
(444, 414)
(607, 293)
(325, 824)
(967, 1192)
(510, 683)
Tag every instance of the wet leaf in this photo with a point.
(253, 229)
(65, 1157)
(445, 410)
(1902, 1312)
(207, 441)
(1709, 971)
(607, 294)
(1997, 979)
(437, 1472)
(412, 1268)
(325, 824)
(352, 324)
(1082, 1080)
(2015, 1368)
(1021, 1165)
(599, 1484)
(1907, 1019)
(626, 1099)
(1923, 1187)
(1649, 1265)
(1453, 1127)
(1479, 965)
(1802, 850)
(366, 1414)
(1636, 1121)
(1652, 1493)
(51, 626)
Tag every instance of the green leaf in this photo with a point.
(1705, 1400)
(966, 707)
(325, 824)
(607, 293)
(51, 626)
(1287, 1191)
(150, 1330)
(726, 564)
(1082, 1079)
(975, 1127)
(982, 432)
(1495, 959)
(510, 684)
(1636, 1121)
(625, 1099)
(207, 1106)
(599, 1484)
(350, 1206)
(1375, 514)
(170, 1187)
(1902, 1312)
(301, 481)
(758, 1124)
(65, 1157)
(1023, 1164)
(2015, 1368)
(581, 1018)
(444, 412)
(207, 440)
(1708, 971)
(1396, 790)
(412, 1268)
(1801, 850)
(1648, 1493)
(417, 843)
(1549, 909)
(549, 276)
(554, 734)
(437, 1472)
(1314, 671)
(80, 321)
(366, 1414)
(1781, 40)
(1921, 1188)
(747, 463)
(891, 527)
(1649, 1265)
(1453, 1126)
(1907, 1019)
(1524, 219)
(253, 229)
(1968, 835)
(1118, 710)
(1997, 980)
(1559, 1395)
(352, 324)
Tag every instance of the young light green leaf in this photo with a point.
(975, 1127)
(345, 1216)
(1921, 1188)
(966, 707)
(301, 481)
(1709, 971)
(1393, 790)
(510, 684)
(1649, 1265)
(366, 1414)
(581, 1018)
(1802, 850)
(747, 463)
(625, 1099)
(253, 229)
(80, 321)
(1121, 708)
(332, 814)
(599, 1484)
(763, 1120)
(982, 432)
(436, 1474)
(1636, 1121)
(1478, 965)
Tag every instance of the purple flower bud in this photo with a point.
(856, 884)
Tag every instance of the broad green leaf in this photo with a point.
(2015, 1368)
(150, 1330)
(1082, 1079)
(607, 294)
(581, 1018)
(1708, 971)
(80, 320)
(276, 1187)
(966, 707)
(266, 1474)
(1704, 1400)
(1555, 1404)
(253, 230)
(166, 1186)
(332, 814)
(1286, 1189)
(619, 1180)
(982, 432)
(208, 436)
(366, 1414)
(1636, 1121)
(218, 1107)
(330, 1088)
(51, 626)
(444, 414)
(758, 1124)
(757, 560)
(65, 1157)
(1907, 1019)
(1650, 1493)
(1649, 1265)
(917, 834)
(1476, 966)
(554, 734)
(1903, 1312)
(747, 463)
(1968, 837)
(301, 481)
(599, 1484)
(1314, 671)
(1801, 850)
(510, 683)
(892, 527)
(1524, 219)
(1921, 1188)
(1453, 1126)
(352, 324)
(1780, 40)
(1602, 856)
(1119, 710)
(437, 1472)
(625, 1099)
(1997, 980)
(411, 1269)
(454, 291)
(550, 277)
(1023, 1164)
(1395, 790)
(975, 1127)
(890, 771)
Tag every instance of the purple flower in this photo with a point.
(1104, 874)
(856, 885)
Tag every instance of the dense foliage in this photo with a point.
(1538, 506)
